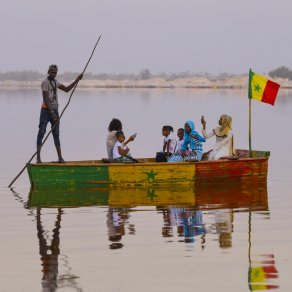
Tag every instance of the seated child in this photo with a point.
(180, 135)
(169, 144)
(121, 151)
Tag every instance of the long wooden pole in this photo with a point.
(44, 141)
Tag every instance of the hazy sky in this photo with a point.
(162, 35)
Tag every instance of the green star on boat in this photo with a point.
(151, 175)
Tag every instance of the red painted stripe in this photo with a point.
(270, 92)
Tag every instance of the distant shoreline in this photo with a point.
(160, 83)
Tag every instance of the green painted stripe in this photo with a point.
(251, 74)
(69, 176)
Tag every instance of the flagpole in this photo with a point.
(249, 128)
(249, 110)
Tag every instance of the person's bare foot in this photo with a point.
(61, 160)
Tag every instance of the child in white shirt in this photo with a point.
(169, 144)
(180, 135)
(121, 151)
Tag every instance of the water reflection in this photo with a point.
(224, 227)
(262, 271)
(187, 221)
(189, 215)
(117, 221)
(188, 225)
(50, 257)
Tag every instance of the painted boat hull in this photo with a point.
(149, 173)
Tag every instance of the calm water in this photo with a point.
(226, 238)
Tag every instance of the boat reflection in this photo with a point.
(199, 196)
(181, 207)
(188, 215)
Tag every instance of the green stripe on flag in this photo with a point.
(251, 74)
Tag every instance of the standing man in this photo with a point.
(49, 110)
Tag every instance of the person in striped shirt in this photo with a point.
(192, 148)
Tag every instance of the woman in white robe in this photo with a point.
(224, 138)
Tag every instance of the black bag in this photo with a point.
(160, 157)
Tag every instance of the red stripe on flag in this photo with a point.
(270, 92)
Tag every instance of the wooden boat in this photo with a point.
(148, 173)
(199, 196)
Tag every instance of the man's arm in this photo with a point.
(47, 101)
(69, 87)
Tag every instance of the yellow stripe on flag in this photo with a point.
(258, 85)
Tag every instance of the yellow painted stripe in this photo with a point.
(136, 174)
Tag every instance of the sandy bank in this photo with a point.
(195, 82)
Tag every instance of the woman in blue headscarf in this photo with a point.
(192, 148)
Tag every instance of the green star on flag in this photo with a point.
(257, 88)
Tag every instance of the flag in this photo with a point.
(262, 89)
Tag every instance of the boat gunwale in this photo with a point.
(86, 163)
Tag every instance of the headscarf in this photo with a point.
(225, 127)
(223, 130)
(192, 126)
(188, 140)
